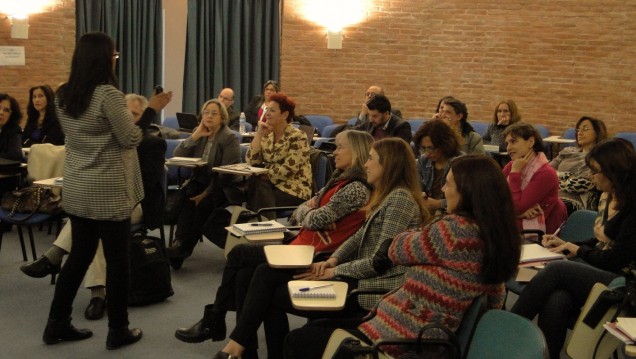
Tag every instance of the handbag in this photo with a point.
(351, 348)
(31, 200)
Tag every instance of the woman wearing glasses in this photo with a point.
(576, 189)
(257, 107)
(213, 141)
(506, 114)
(438, 145)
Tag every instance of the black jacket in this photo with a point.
(11, 142)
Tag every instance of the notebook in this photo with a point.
(627, 326)
(188, 121)
(324, 292)
(258, 227)
(533, 253)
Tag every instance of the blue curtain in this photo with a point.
(230, 43)
(136, 27)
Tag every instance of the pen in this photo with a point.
(261, 224)
(306, 289)
(558, 230)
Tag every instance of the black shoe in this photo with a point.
(118, 337)
(211, 326)
(95, 309)
(224, 355)
(40, 268)
(176, 255)
(62, 330)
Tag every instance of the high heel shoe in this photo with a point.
(40, 268)
(118, 337)
(62, 330)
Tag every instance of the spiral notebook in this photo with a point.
(324, 292)
(258, 227)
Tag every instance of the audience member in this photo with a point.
(42, 125)
(395, 206)
(559, 290)
(382, 123)
(151, 153)
(465, 254)
(506, 113)
(438, 145)
(576, 188)
(329, 218)
(256, 109)
(226, 97)
(533, 182)
(283, 150)
(440, 106)
(10, 132)
(455, 112)
(206, 189)
(102, 184)
(364, 111)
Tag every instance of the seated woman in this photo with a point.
(506, 114)
(533, 183)
(10, 140)
(441, 280)
(438, 144)
(559, 290)
(42, 125)
(455, 112)
(284, 151)
(395, 206)
(257, 108)
(576, 189)
(329, 218)
(206, 190)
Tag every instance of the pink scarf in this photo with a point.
(528, 172)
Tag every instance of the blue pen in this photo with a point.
(306, 289)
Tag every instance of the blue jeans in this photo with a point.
(556, 294)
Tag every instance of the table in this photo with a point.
(273, 237)
(556, 142)
(324, 304)
(289, 256)
(241, 169)
(187, 162)
(55, 182)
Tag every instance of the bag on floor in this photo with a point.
(150, 280)
(31, 200)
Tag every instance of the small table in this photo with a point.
(187, 162)
(289, 256)
(55, 182)
(241, 169)
(556, 142)
(323, 304)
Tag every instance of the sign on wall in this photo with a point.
(11, 55)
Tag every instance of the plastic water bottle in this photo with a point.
(242, 121)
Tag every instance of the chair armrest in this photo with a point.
(278, 210)
(358, 292)
(450, 343)
(538, 232)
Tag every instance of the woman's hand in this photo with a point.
(436, 116)
(531, 212)
(504, 119)
(327, 274)
(264, 129)
(567, 248)
(550, 241)
(198, 198)
(599, 233)
(201, 131)
(520, 163)
(160, 100)
(432, 204)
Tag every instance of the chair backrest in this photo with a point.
(416, 123)
(569, 133)
(501, 334)
(543, 131)
(171, 121)
(352, 121)
(45, 161)
(329, 129)
(629, 136)
(469, 321)
(480, 127)
(579, 227)
(319, 122)
(309, 131)
(320, 168)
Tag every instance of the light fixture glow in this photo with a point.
(335, 14)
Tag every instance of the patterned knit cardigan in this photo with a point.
(443, 277)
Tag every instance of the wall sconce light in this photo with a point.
(334, 40)
(20, 27)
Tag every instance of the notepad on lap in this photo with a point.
(533, 253)
(627, 326)
(258, 227)
(324, 292)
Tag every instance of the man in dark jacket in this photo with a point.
(382, 123)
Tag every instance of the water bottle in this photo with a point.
(242, 121)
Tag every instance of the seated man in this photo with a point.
(363, 115)
(226, 97)
(382, 123)
(151, 152)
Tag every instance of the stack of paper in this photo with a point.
(621, 330)
(258, 227)
(185, 160)
(534, 253)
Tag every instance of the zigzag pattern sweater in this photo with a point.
(444, 262)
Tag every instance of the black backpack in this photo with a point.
(150, 280)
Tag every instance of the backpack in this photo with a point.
(150, 280)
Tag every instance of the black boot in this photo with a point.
(118, 337)
(211, 326)
(62, 330)
(177, 254)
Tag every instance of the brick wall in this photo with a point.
(558, 59)
(48, 52)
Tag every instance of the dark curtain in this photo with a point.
(136, 27)
(230, 43)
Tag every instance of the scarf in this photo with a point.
(528, 172)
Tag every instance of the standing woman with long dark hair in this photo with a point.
(102, 184)
(42, 125)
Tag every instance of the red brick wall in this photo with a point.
(48, 52)
(558, 59)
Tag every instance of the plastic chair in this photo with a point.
(319, 122)
(416, 123)
(579, 226)
(329, 129)
(170, 121)
(480, 127)
(501, 334)
(352, 121)
(629, 136)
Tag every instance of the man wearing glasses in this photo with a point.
(226, 97)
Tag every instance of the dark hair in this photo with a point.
(16, 113)
(444, 138)
(597, 125)
(50, 117)
(286, 104)
(442, 100)
(525, 131)
(514, 112)
(460, 109)
(379, 103)
(479, 182)
(92, 65)
(617, 158)
(273, 83)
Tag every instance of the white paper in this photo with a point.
(12, 56)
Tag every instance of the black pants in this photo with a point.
(262, 194)
(192, 218)
(309, 342)
(86, 233)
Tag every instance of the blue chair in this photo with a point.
(416, 123)
(543, 131)
(501, 334)
(569, 133)
(319, 174)
(480, 127)
(629, 136)
(329, 129)
(238, 135)
(352, 121)
(170, 121)
(319, 122)
(579, 227)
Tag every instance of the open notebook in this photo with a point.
(534, 253)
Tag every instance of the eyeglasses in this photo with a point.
(424, 149)
(116, 54)
(209, 113)
(582, 129)
(6, 110)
